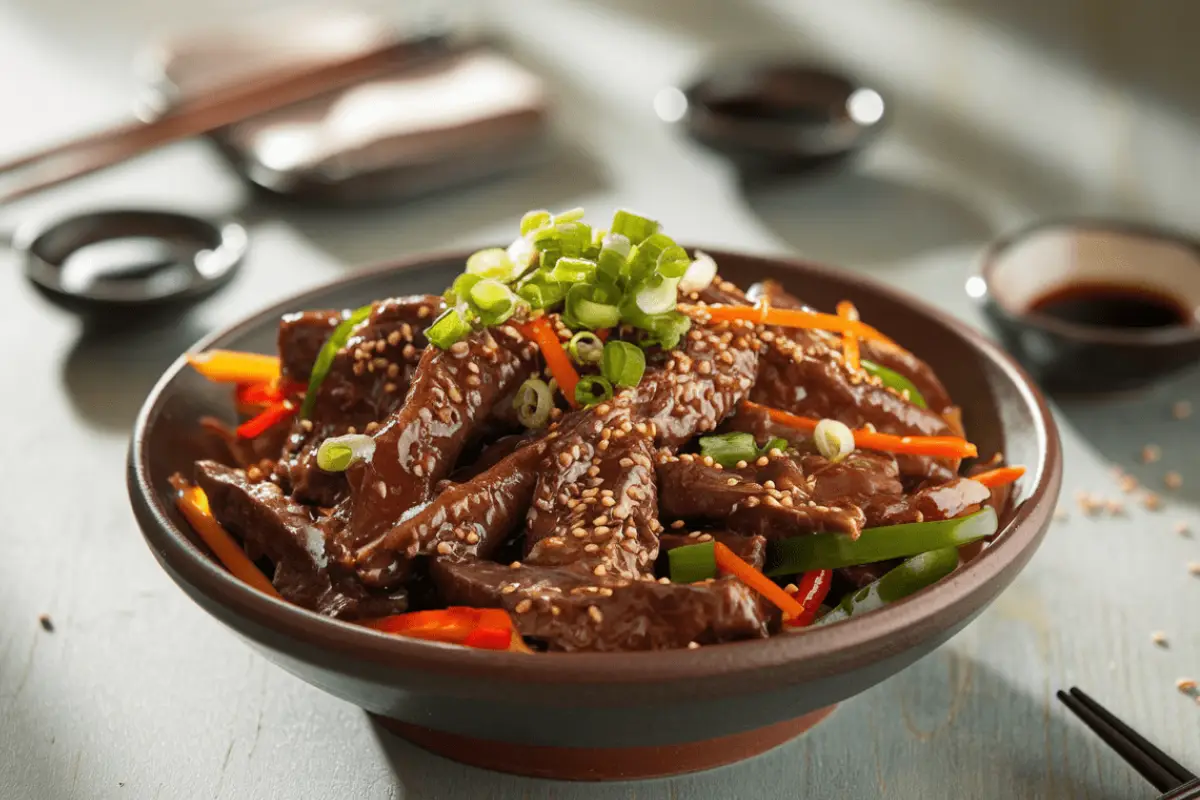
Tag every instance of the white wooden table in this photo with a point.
(1071, 105)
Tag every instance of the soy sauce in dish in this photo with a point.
(1112, 305)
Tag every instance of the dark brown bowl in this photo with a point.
(1063, 356)
(606, 716)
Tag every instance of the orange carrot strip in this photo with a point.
(940, 446)
(1001, 476)
(542, 332)
(193, 504)
(846, 310)
(727, 561)
(788, 318)
(231, 366)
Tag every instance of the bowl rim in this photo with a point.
(1123, 337)
(819, 652)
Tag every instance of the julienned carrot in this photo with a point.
(270, 416)
(193, 504)
(542, 332)
(232, 366)
(727, 561)
(788, 318)
(846, 310)
(939, 446)
(1000, 476)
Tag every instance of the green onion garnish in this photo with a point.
(535, 220)
(541, 292)
(623, 364)
(692, 562)
(448, 329)
(573, 270)
(533, 403)
(633, 226)
(336, 341)
(491, 263)
(895, 380)
(585, 348)
(643, 261)
(673, 262)
(493, 301)
(658, 295)
(834, 439)
(730, 449)
(587, 307)
(700, 274)
(614, 253)
(592, 389)
(336, 454)
(664, 330)
(571, 215)
(460, 290)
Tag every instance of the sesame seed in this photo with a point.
(731, 482)
(394, 338)
(351, 429)
(1193, 567)
(677, 524)
(626, 462)
(607, 502)
(769, 485)
(1159, 638)
(593, 471)
(381, 487)
(408, 352)
(508, 588)
(1128, 483)
(1173, 480)
(254, 474)
(564, 458)
(459, 348)
(306, 425)
(523, 606)
(1186, 685)
(1152, 502)
(595, 614)
(1182, 529)
(693, 645)
(390, 388)
(665, 581)
(445, 548)
(515, 565)
(1151, 453)
(422, 312)
(752, 501)
(591, 547)
(472, 538)
(762, 461)
(599, 570)
(600, 520)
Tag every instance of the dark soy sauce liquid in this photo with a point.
(1110, 305)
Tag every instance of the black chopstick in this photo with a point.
(1189, 791)
(1151, 763)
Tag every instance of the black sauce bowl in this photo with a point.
(1068, 357)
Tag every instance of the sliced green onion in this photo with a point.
(573, 270)
(658, 295)
(664, 330)
(832, 550)
(614, 254)
(585, 348)
(633, 226)
(673, 262)
(592, 389)
(700, 274)
(643, 261)
(336, 454)
(896, 381)
(541, 292)
(336, 341)
(493, 301)
(571, 215)
(727, 449)
(692, 563)
(910, 577)
(586, 307)
(623, 364)
(448, 329)
(535, 220)
(598, 236)
(460, 290)
(523, 255)
(775, 444)
(533, 403)
(491, 263)
(834, 439)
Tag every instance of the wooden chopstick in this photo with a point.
(221, 107)
(1162, 771)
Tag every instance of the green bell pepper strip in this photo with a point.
(910, 577)
(832, 550)
(894, 380)
(336, 341)
(692, 562)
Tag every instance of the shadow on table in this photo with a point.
(946, 723)
(851, 217)
(110, 370)
(1120, 426)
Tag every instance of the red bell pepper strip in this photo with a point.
(814, 586)
(271, 416)
(485, 628)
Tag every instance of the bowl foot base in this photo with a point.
(604, 763)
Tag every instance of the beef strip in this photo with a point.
(943, 501)
(301, 337)
(452, 393)
(466, 520)
(572, 611)
(751, 549)
(287, 533)
(595, 505)
(366, 383)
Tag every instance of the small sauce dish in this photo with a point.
(1094, 306)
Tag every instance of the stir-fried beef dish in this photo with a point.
(591, 442)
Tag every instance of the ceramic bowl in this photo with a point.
(1022, 267)
(608, 716)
